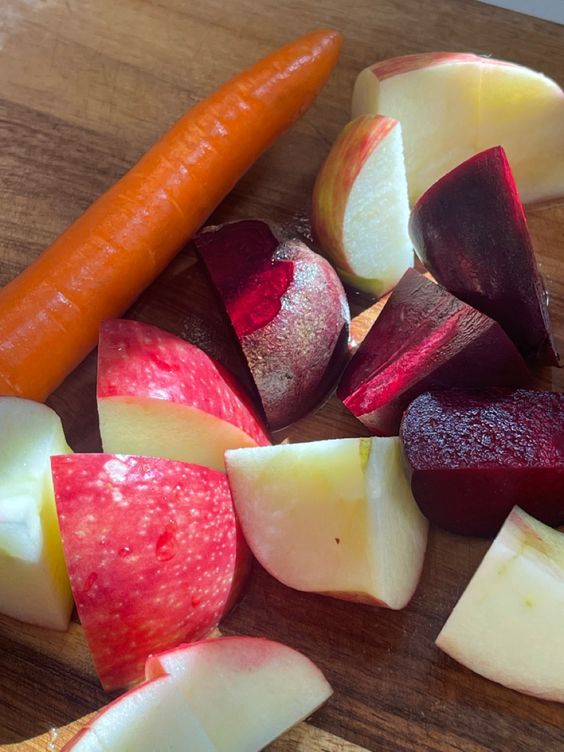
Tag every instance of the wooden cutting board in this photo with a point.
(85, 87)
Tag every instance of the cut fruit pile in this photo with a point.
(157, 531)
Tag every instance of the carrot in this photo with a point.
(50, 313)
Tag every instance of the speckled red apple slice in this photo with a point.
(161, 396)
(153, 554)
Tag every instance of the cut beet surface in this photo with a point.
(474, 455)
(288, 309)
(424, 338)
(470, 231)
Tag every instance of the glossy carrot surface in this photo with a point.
(50, 313)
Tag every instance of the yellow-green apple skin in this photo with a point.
(333, 517)
(152, 716)
(509, 622)
(34, 585)
(231, 682)
(453, 105)
(360, 208)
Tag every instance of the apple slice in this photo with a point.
(474, 454)
(161, 396)
(153, 553)
(333, 517)
(507, 625)
(424, 338)
(452, 105)
(470, 231)
(360, 208)
(435, 96)
(34, 585)
(288, 309)
(244, 691)
(523, 110)
(153, 716)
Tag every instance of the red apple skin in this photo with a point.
(395, 66)
(288, 309)
(470, 231)
(474, 455)
(424, 339)
(153, 552)
(237, 653)
(137, 359)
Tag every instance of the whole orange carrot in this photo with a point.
(50, 314)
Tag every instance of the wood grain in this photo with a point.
(85, 87)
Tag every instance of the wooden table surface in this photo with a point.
(85, 87)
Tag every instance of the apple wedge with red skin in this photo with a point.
(234, 694)
(452, 105)
(470, 231)
(161, 396)
(244, 691)
(152, 716)
(154, 554)
(424, 338)
(507, 625)
(360, 209)
(473, 455)
(287, 308)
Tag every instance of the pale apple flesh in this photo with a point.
(34, 584)
(161, 396)
(360, 208)
(333, 517)
(523, 110)
(453, 105)
(435, 98)
(507, 625)
(153, 716)
(244, 691)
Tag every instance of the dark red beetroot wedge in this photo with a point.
(424, 338)
(473, 455)
(288, 309)
(470, 231)
(153, 551)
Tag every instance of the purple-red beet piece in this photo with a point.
(288, 309)
(470, 231)
(424, 339)
(473, 455)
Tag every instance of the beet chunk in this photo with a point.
(470, 231)
(424, 339)
(474, 455)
